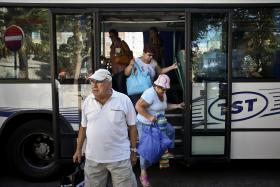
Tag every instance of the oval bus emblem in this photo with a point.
(245, 105)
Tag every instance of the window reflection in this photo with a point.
(256, 43)
(33, 58)
(209, 47)
(73, 46)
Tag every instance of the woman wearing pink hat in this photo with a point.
(151, 108)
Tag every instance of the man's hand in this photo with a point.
(77, 157)
(133, 158)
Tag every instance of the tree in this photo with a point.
(256, 27)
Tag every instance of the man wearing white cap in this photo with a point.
(108, 123)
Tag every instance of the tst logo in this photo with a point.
(245, 105)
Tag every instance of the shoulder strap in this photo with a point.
(137, 65)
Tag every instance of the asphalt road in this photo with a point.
(235, 174)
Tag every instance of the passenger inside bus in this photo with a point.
(148, 65)
(251, 66)
(120, 55)
(157, 43)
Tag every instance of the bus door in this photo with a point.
(209, 86)
(72, 56)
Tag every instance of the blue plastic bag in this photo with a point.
(153, 143)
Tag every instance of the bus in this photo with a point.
(228, 56)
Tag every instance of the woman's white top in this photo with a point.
(156, 105)
(150, 68)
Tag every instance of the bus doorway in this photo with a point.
(133, 26)
(201, 79)
(210, 93)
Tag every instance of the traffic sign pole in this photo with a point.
(13, 38)
(15, 63)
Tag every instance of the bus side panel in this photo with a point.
(17, 97)
(255, 117)
(255, 106)
(71, 99)
(255, 145)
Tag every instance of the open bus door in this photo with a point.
(72, 56)
(208, 128)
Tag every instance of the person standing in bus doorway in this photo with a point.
(148, 66)
(151, 109)
(120, 55)
(108, 123)
(156, 42)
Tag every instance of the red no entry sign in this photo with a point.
(13, 37)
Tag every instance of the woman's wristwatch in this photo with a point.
(133, 150)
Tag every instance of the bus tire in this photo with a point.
(31, 150)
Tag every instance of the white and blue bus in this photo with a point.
(228, 54)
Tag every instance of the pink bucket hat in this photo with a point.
(163, 81)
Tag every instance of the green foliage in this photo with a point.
(257, 25)
(30, 20)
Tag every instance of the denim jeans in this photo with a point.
(170, 132)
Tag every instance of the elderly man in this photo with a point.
(108, 122)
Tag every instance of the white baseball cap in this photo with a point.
(101, 75)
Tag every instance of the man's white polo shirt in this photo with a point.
(107, 127)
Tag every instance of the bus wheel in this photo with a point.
(31, 150)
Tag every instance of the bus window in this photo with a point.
(73, 48)
(209, 44)
(33, 58)
(256, 43)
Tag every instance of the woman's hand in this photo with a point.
(152, 118)
(129, 67)
(132, 62)
(181, 105)
(174, 66)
